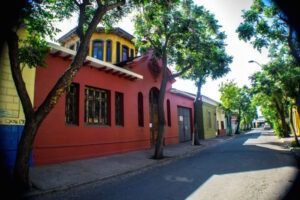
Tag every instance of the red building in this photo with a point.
(108, 109)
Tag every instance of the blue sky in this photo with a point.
(228, 13)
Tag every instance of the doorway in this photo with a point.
(184, 124)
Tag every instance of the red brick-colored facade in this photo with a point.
(57, 141)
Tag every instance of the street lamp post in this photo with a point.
(253, 61)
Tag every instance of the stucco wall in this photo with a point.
(209, 131)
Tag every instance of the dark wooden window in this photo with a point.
(72, 103)
(108, 50)
(118, 52)
(119, 108)
(72, 47)
(125, 53)
(98, 49)
(140, 110)
(131, 53)
(169, 112)
(97, 106)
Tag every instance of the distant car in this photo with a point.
(267, 126)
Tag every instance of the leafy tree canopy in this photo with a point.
(265, 25)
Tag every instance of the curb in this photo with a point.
(162, 162)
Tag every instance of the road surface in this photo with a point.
(251, 166)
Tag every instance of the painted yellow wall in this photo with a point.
(104, 37)
(296, 118)
(11, 111)
(209, 132)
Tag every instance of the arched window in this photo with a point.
(140, 109)
(108, 51)
(98, 49)
(169, 112)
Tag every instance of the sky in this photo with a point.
(228, 13)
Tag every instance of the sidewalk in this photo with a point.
(51, 178)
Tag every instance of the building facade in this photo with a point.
(110, 107)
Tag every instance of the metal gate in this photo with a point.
(184, 124)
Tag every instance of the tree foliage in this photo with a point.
(239, 101)
(265, 25)
(277, 87)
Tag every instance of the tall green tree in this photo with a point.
(236, 99)
(279, 81)
(265, 84)
(38, 17)
(163, 27)
(205, 52)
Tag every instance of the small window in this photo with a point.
(72, 47)
(169, 112)
(108, 50)
(119, 109)
(118, 52)
(131, 53)
(72, 103)
(97, 107)
(125, 53)
(140, 110)
(209, 120)
(98, 49)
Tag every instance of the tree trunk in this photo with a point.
(158, 153)
(198, 117)
(21, 170)
(293, 127)
(285, 127)
(229, 123)
(237, 130)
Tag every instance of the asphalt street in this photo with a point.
(252, 166)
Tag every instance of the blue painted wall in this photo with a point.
(9, 137)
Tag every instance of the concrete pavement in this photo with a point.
(56, 177)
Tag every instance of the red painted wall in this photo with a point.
(58, 142)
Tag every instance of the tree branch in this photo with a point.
(180, 73)
(76, 2)
(114, 5)
(17, 75)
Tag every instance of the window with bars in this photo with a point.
(119, 108)
(97, 108)
(72, 104)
